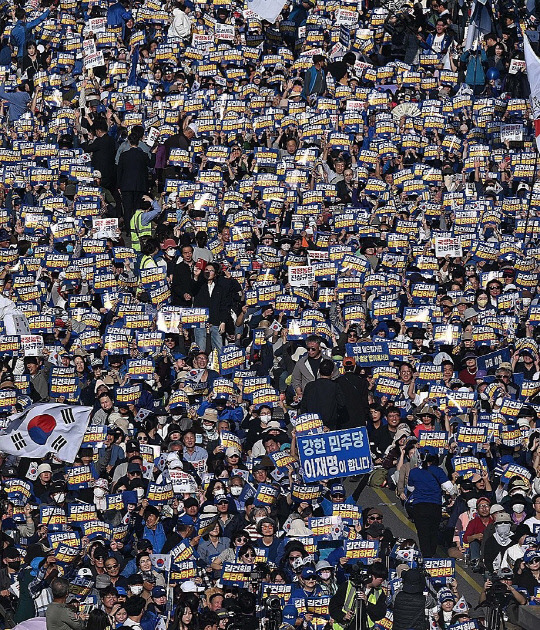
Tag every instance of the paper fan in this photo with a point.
(406, 109)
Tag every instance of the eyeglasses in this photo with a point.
(241, 539)
(112, 566)
(294, 557)
(312, 349)
(249, 555)
(494, 288)
(375, 518)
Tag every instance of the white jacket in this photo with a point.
(180, 26)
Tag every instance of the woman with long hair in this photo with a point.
(98, 620)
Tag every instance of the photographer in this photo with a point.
(366, 585)
(498, 590)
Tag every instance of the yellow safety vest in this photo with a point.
(348, 604)
(138, 230)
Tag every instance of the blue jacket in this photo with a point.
(20, 32)
(156, 536)
(18, 103)
(117, 15)
(475, 67)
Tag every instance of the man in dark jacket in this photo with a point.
(355, 394)
(212, 296)
(187, 279)
(323, 396)
(410, 603)
(132, 177)
(103, 151)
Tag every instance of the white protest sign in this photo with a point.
(516, 65)
(32, 345)
(93, 61)
(105, 228)
(266, 9)
(301, 276)
(448, 246)
(224, 31)
(511, 133)
(97, 25)
(89, 47)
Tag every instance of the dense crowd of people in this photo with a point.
(231, 237)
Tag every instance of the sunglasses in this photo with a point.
(375, 518)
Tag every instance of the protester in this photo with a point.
(248, 252)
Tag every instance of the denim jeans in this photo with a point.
(474, 549)
(215, 338)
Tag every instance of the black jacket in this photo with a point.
(410, 611)
(103, 152)
(184, 282)
(133, 170)
(323, 396)
(355, 394)
(215, 303)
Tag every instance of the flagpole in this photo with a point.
(529, 199)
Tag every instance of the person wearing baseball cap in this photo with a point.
(308, 584)
(474, 532)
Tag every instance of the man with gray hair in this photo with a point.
(59, 615)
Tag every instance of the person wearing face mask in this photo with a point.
(325, 573)
(135, 585)
(170, 254)
(518, 505)
(236, 485)
(522, 540)
(496, 546)
(11, 564)
(474, 532)
(57, 494)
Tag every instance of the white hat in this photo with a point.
(231, 450)
(96, 174)
(496, 507)
(298, 529)
(195, 128)
(190, 587)
(104, 94)
(44, 468)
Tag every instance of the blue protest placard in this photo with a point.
(335, 454)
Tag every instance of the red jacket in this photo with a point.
(475, 527)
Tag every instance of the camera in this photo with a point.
(497, 594)
(359, 575)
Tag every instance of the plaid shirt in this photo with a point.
(40, 591)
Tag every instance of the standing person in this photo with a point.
(213, 297)
(307, 366)
(323, 396)
(410, 603)
(103, 150)
(132, 177)
(59, 616)
(185, 285)
(315, 78)
(355, 393)
(21, 30)
(426, 484)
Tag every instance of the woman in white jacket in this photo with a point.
(181, 24)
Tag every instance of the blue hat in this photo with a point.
(121, 591)
(337, 488)
(308, 572)
(129, 496)
(531, 554)
(289, 614)
(158, 591)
